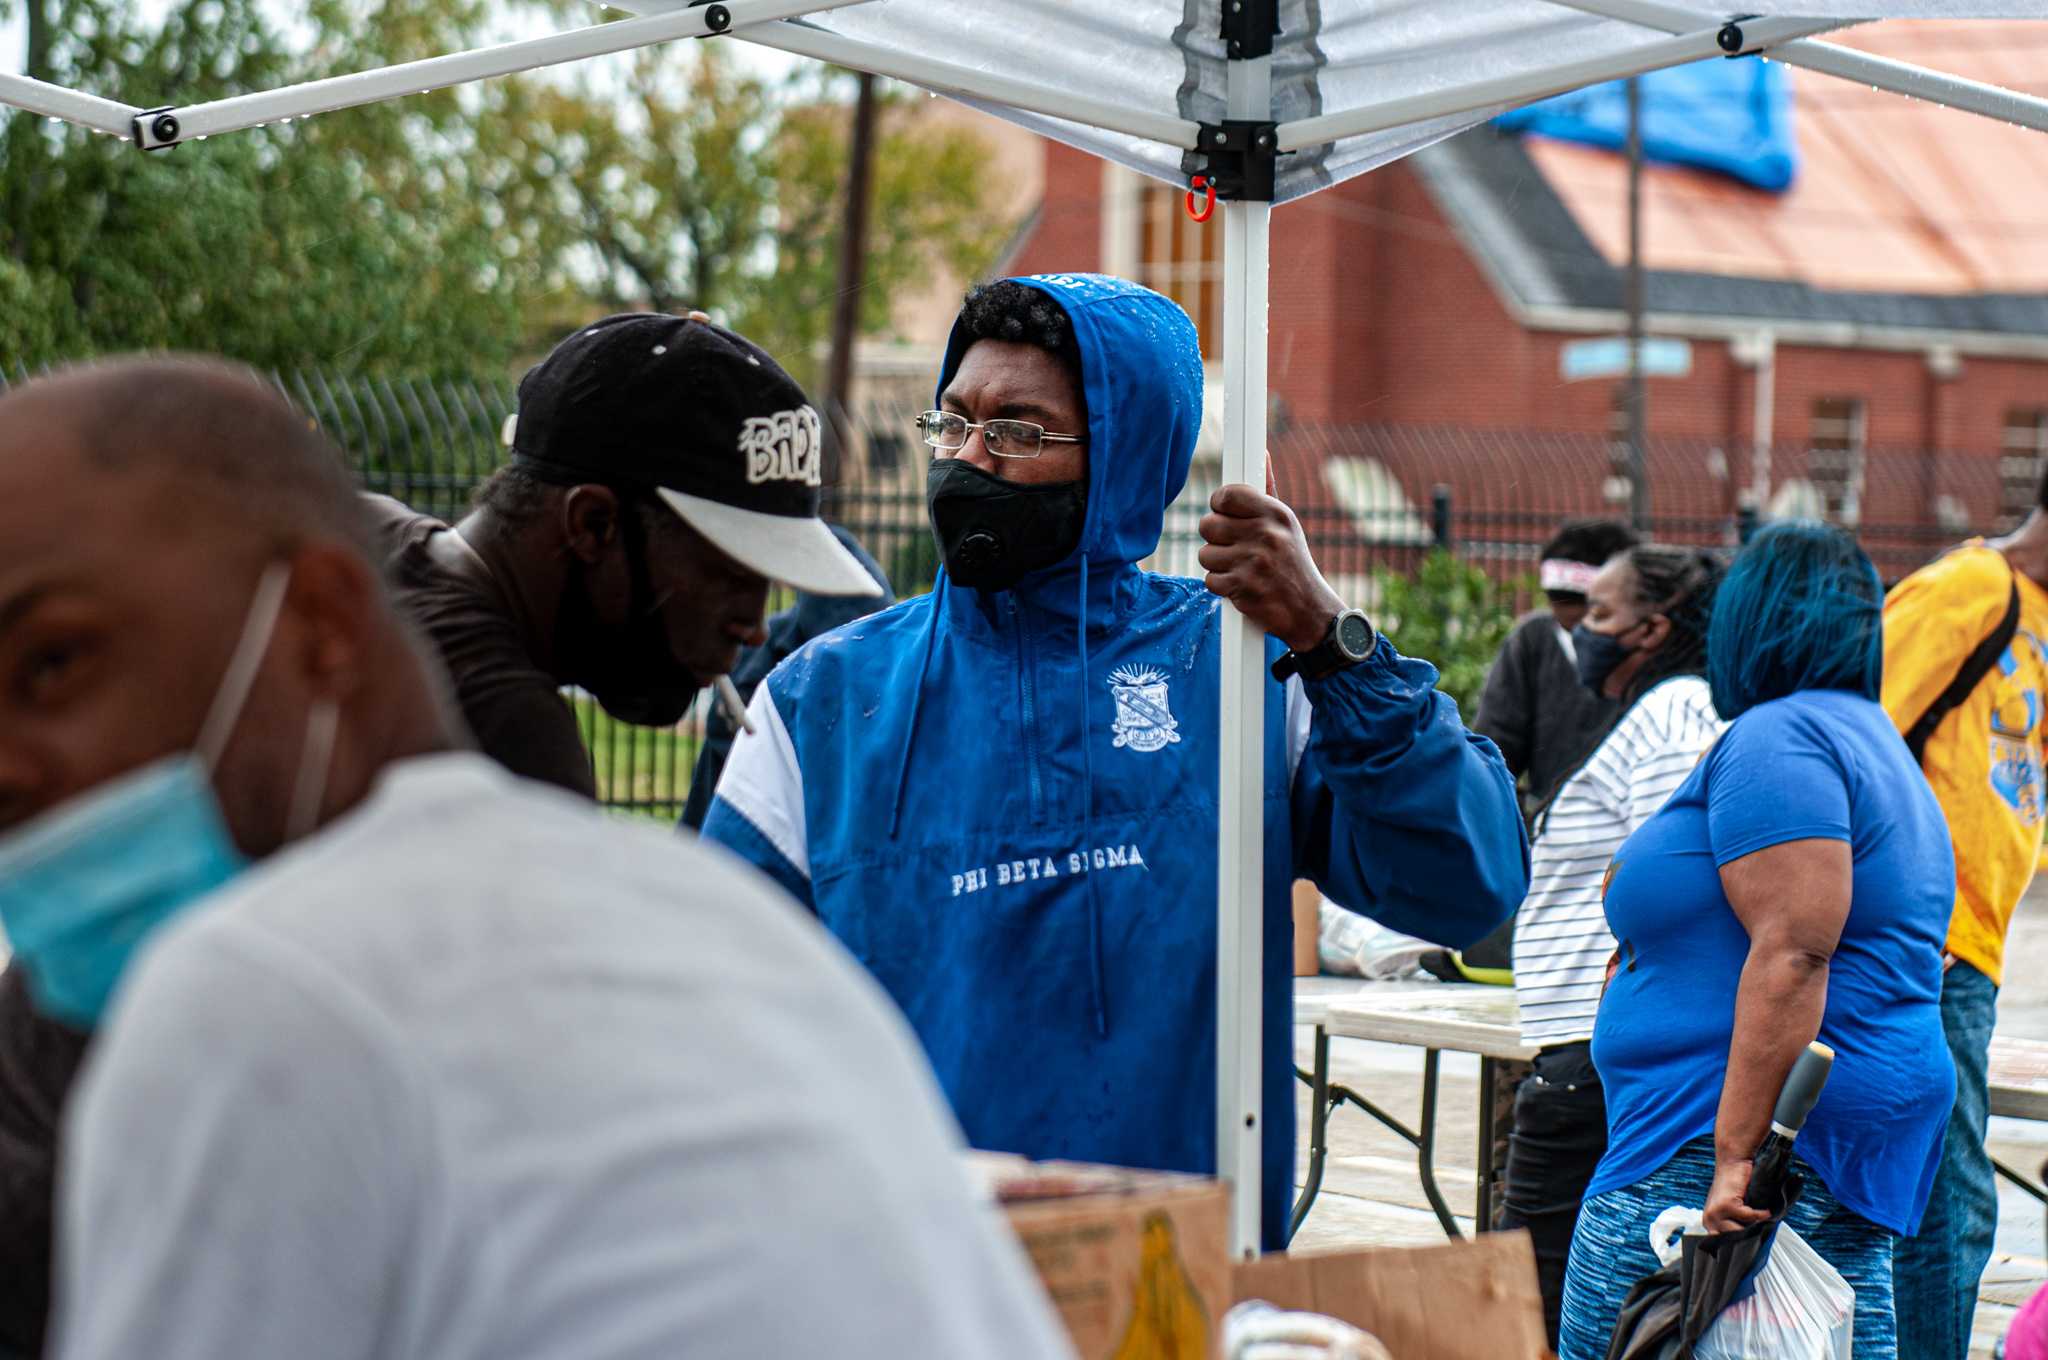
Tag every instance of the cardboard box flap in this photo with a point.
(1473, 1300)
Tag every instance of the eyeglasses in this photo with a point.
(1004, 438)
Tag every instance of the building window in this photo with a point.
(1834, 459)
(2022, 457)
(1183, 259)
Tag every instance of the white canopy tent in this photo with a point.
(1268, 100)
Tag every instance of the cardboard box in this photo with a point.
(1308, 901)
(1137, 1266)
(1474, 1300)
(1135, 1261)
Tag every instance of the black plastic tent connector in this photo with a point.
(155, 129)
(717, 17)
(1249, 26)
(1239, 158)
(1730, 38)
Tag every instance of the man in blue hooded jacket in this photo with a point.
(1002, 795)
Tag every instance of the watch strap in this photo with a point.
(1324, 659)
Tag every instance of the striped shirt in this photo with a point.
(1562, 943)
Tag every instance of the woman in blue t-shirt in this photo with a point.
(1797, 884)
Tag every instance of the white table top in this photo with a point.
(1313, 996)
(1456, 1017)
(1469, 1018)
(2019, 1078)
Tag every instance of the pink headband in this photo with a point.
(1559, 573)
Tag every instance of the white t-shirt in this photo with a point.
(1562, 943)
(482, 1073)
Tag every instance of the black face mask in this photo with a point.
(629, 668)
(1597, 654)
(994, 533)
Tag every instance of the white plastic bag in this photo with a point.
(1256, 1330)
(1350, 945)
(1801, 1309)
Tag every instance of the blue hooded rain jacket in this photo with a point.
(1004, 803)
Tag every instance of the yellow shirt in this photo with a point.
(1985, 760)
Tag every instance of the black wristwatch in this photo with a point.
(1349, 641)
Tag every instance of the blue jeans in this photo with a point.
(1611, 1252)
(1935, 1273)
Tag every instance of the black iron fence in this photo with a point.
(1427, 523)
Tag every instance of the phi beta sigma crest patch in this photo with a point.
(1143, 721)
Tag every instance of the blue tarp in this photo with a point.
(1732, 116)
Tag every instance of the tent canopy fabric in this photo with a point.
(1133, 80)
(1168, 58)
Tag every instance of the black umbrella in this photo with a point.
(1670, 1309)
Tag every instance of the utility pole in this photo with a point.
(1638, 399)
(37, 66)
(853, 250)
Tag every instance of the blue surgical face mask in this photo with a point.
(84, 884)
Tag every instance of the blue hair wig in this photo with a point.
(1801, 608)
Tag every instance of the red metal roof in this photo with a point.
(1893, 194)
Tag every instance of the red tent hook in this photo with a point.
(1203, 183)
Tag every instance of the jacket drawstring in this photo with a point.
(916, 703)
(1095, 963)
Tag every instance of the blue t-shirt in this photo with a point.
(1822, 764)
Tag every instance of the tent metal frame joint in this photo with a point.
(1239, 158)
(1249, 27)
(155, 129)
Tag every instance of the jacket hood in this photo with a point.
(1141, 372)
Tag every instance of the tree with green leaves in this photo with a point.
(1451, 614)
(450, 232)
(717, 187)
(336, 241)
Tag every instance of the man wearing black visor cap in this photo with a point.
(663, 470)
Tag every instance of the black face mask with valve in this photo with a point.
(993, 533)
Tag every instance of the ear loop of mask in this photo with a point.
(247, 659)
(315, 758)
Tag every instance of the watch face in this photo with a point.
(1354, 635)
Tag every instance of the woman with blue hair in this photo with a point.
(1797, 885)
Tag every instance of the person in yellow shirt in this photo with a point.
(1965, 678)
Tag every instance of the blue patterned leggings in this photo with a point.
(1611, 1252)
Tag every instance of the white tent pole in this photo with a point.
(458, 68)
(1899, 77)
(54, 101)
(1524, 87)
(1241, 805)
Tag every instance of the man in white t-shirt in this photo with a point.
(415, 1059)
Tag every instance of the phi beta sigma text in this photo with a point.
(1013, 871)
